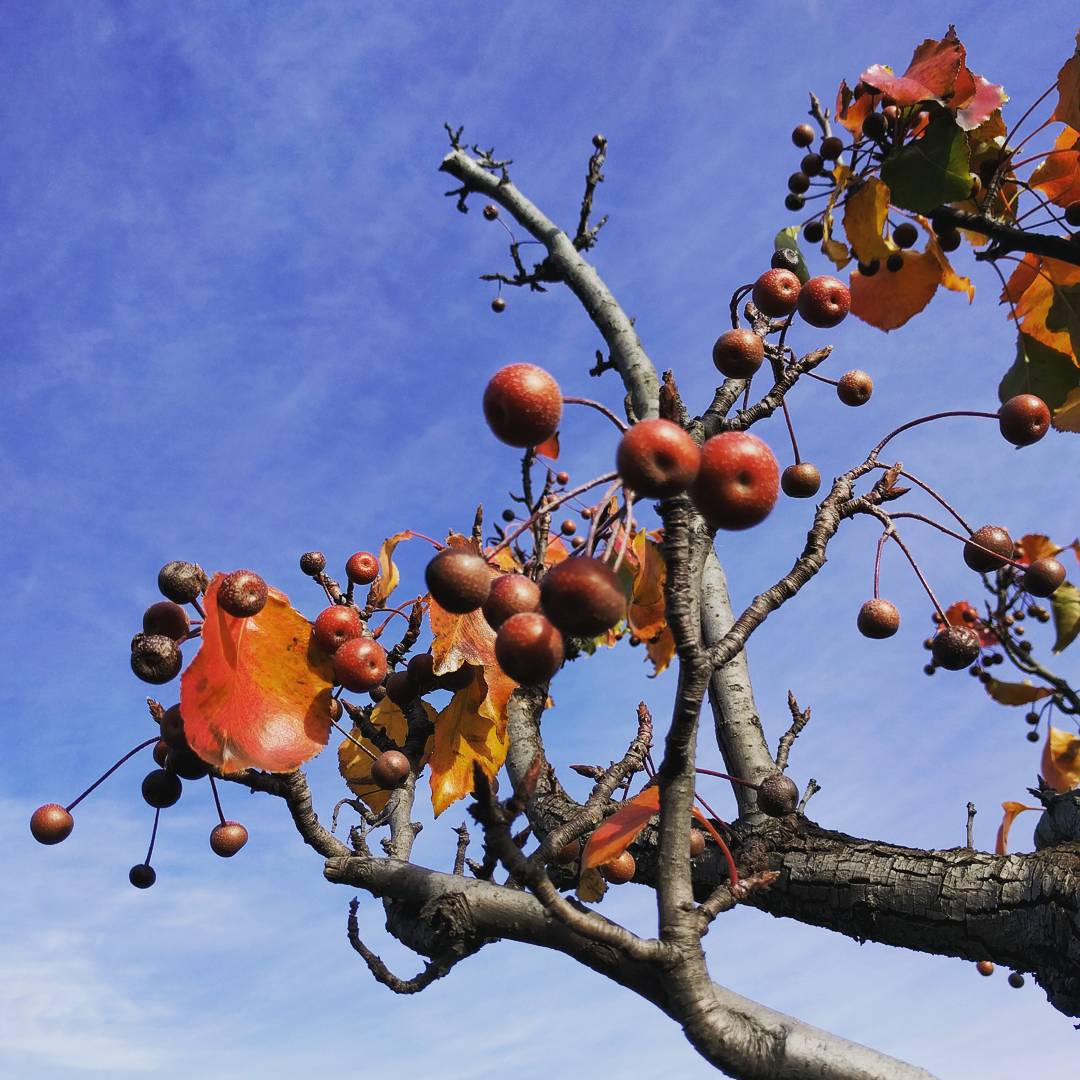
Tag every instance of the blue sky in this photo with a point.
(239, 321)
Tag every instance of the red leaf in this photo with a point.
(931, 75)
(614, 835)
(257, 694)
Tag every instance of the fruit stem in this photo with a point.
(620, 424)
(105, 775)
(949, 532)
(822, 378)
(198, 607)
(877, 560)
(217, 801)
(790, 431)
(590, 540)
(925, 420)
(881, 515)
(566, 496)
(733, 873)
(355, 742)
(940, 499)
(736, 299)
(1031, 108)
(628, 525)
(392, 613)
(153, 837)
(726, 776)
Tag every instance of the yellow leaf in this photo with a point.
(1061, 760)
(1067, 414)
(464, 737)
(838, 253)
(1031, 289)
(646, 614)
(865, 216)
(661, 650)
(355, 766)
(389, 576)
(591, 886)
(1016, 693)
(1011, 810)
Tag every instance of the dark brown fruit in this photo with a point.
(794, 202)
(421, 671)
(1043, 577)
(582, 596)
(1032, 736)
(335, 709)
(785, 258)
(312, 563)
(803, 135)
(776, 292)
(51, 823)
(894, 263)
(955, 647)
(529, 648)
(166, 617)
(869, 269)
(161, 788)
(155, 658)
(777, 796)
(172, 729)
(875, 126)
(812, 164)
(389, 769)
(738, 482)
(798, 182)
(949, 240)
(1072, 214)
(738, 354)
(510, 595)
(619, 870)
(1016, 980)
(360, 664)
(458, 580)
(997, 540)
(831, 148)
(498, 305)
(905, 235)
(362, 568)
(187, 764)
(599, 141)
(570, 853)
(181, 581)
(161, 753)
(490, 212)
(800, 481)
(228, 838)
(657, 458)
(568, 527)
(399, 688)
(984, 967)
(336, 625)
(457, 680)
(824, 301)
(697, 843)
(1024, 419)
(522, 405)
(855, 388)
(814, 232)
(142, 875)
(878, 619)
(242, 594)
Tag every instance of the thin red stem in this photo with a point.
(1030, 109)
(919, 574)
(949, 532)
(105, 775)
(198, 607)
(877, 562)
(620, 424)
(733, 873)
(926, 420)
(726, 776)
(217, 799)
(940, 499)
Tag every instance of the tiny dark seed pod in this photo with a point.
(777, 795)
(155, 658)
(181, 581)
(313, 563)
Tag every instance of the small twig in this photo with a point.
(462, 843)
(812, 788)
(971, 812)
(799, 720)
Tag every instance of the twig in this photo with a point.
(971, 812)
(799, 720)
(812, 788)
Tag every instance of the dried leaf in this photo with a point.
(1011, 810)
(888, 300)
(1060, 766)
(591, 886)
(865, 218)
(1065, 605)
(257, 694)
(1016, 693)
(1067, 109)
(389, 575)
(464, 736)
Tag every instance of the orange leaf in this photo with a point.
(1031, 287)
(931, 75)
(1011, 810)
(887, 300)
(661, 650)
(1067, 109)
(949, 277)
(355, 766)
(864, 221)
(549, 448)
(464, 737)
(616, 833)
(1034, 546)
(852, 113)
(646, 614)
(389, 576)
(1060, 766)
(1067, 414)
(964, 614)
(1016, 693)
(1058, 176)
(556, 552)
(257, 694)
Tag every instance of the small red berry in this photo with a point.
(776, 292)
(523, 405)
(390, 768)
(657, 458)
(738, 482)
(458, 580)
(529, 648)
(228, 838)
(738, 354)
(360, 664)
(362, 568)
(51, 823)
(1024, 419)
(336, 625)
(242, 594)
(824, 301)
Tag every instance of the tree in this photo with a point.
(806, 857)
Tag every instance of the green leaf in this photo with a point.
(1064, 313)
(932, 170)
(1065, 604)
(789, 238)
(1039, 370)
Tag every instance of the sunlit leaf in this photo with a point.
(1016, 693)
(389, 576)
(1064, 315)
(661, 650)
(549, 448)
(464, 736)
(1067, 415)
(931, 75)
(865, 217)
(889, 299)
(924, 174)
(617, 832)
(1065, 605)
(1060, 766)
(963, 613)
(836, 252)
(1039, 370)
(646, 614)
(1011, 810)
(950, 279)
(1067, 109)
(1058, 175)
(1032, 546)
(257, 694)
(1032, 288)
(852, 113)
(985, 100)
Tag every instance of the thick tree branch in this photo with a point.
(1005, 237)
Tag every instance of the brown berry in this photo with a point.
(181, 581)
(878, 619)
(161, 753)
(776, 292)
(166, 617)
(798, 182)
(1000, 547)
(777, 795)
(831, 148)
(359, 664)
(568, 527)
(619, 870)
(738, 354)
(142, 875)
(242, 594)
(400, 688)
(498, 305)
(814, 232)
(855, 388)
(582, 596)
(172, 728)
(824, 301)
(161, 788)
(1016, 980)
(803, 135)
(905, 235)
(457, 680)
(738, 482)
(490, 212)
(955, 647)
(800, 481)
(335, 625)
(522, 405)
(51, 823)
(459, 580)
(812, 164)
(510, 594)
(389, 769)
(984, 967)
(529, 648)
(657, 458)
(228, 838)
(1043, 577)
(362, 568)
(1024, 419)
(697, 843)
(155, 658)
(421, 671)
(312, 563)
(187, 764)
